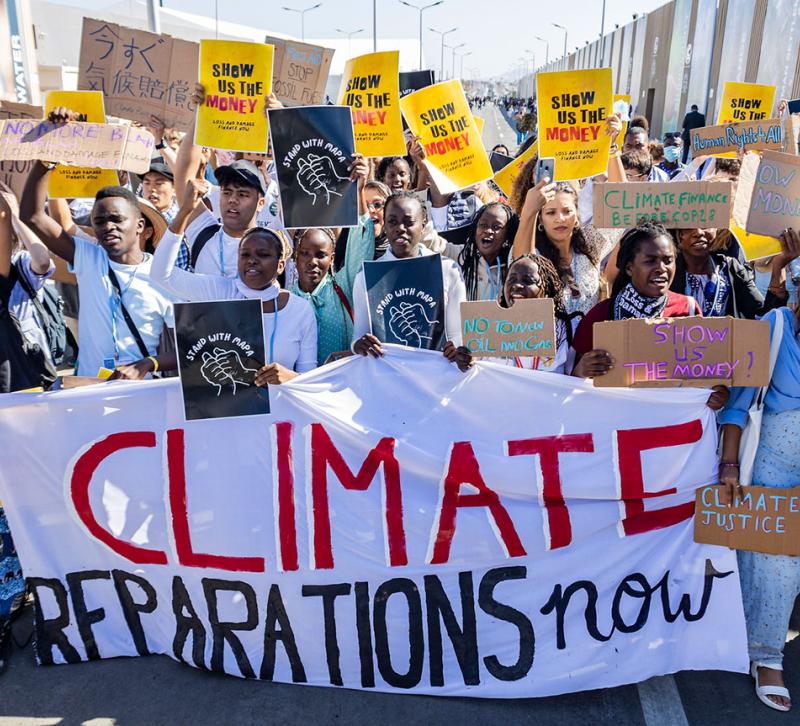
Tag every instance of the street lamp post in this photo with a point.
(349, 34)
(302, 14)
(547, 50)
(441, 60)
(461, 64)
(421, 10)
(556, 25)
(454, 49)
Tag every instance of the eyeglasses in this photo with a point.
(630, 176)
(672, 135)
(376, 205)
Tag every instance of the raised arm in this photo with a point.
(190, 156)
(5, 238)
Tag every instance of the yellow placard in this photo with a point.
(371, 87)
(745, 102)
(77, 182)
(236, 76)
(479, 122)
(573, 106)
(440, 116)
(755, 245)
(627, 98)
(507, 175)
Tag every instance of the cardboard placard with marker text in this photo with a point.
(775, 202)
(527, 328)
(730, 137)
(299, 71)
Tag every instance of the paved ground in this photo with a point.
(156, 690)
(496, 129)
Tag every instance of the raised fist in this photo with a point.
(225, 368)
(409, 323)
(317, 175)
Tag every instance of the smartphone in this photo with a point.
(545, 168)
(794, 106)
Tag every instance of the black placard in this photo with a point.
(220, 349)
(406, 301)
(414, 80)
(498, 161)
(313, 147)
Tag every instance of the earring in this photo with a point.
(539, 227)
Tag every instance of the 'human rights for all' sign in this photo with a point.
(382, 529)
(572, 111)
(236, 76)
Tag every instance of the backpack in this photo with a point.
(49, 311)
(203, 236)
(22, 364)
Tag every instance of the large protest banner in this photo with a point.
(745, 102)
(371, 88)
(677, 205)
(139, 73)
(441, 117)
(14, 173)
(300, 71)
(775, 203)
(383, 528)
(573, 106)
(232, 115)
(71, 182)
(313, 148)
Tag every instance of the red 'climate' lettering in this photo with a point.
(284, 499)
(558, 528)
(323, 453)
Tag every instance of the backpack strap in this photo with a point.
(25, 284)
(200, 241)
(125, 314)
(345, 302)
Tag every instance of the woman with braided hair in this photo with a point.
(646, 263)
(330, 293)
(530, 276)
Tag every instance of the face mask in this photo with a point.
(671, 153)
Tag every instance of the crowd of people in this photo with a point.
(205, 224)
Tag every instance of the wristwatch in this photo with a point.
(160, 144)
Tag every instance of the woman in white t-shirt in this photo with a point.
(290, 327)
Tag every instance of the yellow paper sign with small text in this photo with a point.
(236, 76)
(479, 122)
(371, 87)
(454, 153)
(506, 177)
(745, 102)
(573, 106)
(78, 182)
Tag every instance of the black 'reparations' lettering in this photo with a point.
(364, 635)
(278, 628)
(223, 631)
(329, 593)
(131, 609)
(416, 645)
(84, 618)
(50, 631)
(186, 623)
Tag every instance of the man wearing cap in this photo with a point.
(214, 247)
(158, 188)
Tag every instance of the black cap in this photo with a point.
(242, 172)
(158, 166)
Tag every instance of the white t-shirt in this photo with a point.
(20, 304)
(220, 254)
(149, 305)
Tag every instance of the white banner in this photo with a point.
(392, 525)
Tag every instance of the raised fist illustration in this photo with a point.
(225, 368)
(409, 323)
(317, 175)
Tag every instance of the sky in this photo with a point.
(498, 32)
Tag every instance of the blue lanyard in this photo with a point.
(221, 254)
(494, 282)
(114, 304)
(274, 330)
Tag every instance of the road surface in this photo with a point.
(496, 129)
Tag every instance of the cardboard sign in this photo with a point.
(139, 73)
(734, 136)
(299, 71)
(14, 173)
(76, 182)
(775, 204)
(406, 301)
(753, 245)
(237, 76)
(695, 351)
(220, 348)
(441, 117)
(313, 148)
(677, 205)
(765, 519)
(371, 89)
(527, 328)
(102, 146)
(745, 102)
(506, 177)
(573, 106)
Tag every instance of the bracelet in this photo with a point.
(155, 362)
(728, 463)
(160, 144)
(613, 150)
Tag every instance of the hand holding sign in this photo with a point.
(316, 175)
(225, 367)
(409, 323)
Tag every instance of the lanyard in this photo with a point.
(534, 367)
(274, 330)
(114, 304)
(494, 282)
(221, 254)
